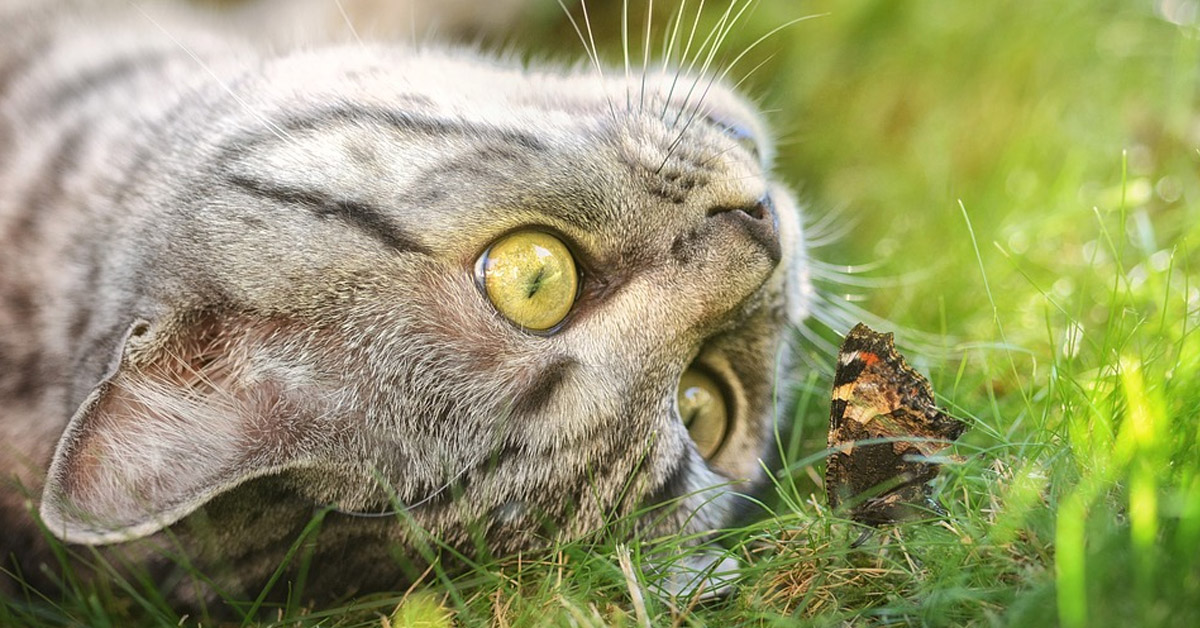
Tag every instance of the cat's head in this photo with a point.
(442, 285)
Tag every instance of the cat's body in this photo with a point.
(239, 286)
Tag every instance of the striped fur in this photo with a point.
(236, 287)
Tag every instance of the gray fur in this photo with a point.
(236, 286)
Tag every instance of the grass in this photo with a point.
(1025, 177)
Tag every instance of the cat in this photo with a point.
(418, 291)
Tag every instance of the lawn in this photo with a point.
(1014, 189)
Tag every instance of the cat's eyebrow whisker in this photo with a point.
(737, 86)
(625, 48)
(716, 38)
(592, 54)
(684, 130)
(713, 157)
(283, 136)
(587, 21)
(349, 22)
(401, 508)
(766, 36)
(668, 44)
(646, 55)
(634, 474)
(682, 58)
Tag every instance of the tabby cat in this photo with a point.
(415, 291)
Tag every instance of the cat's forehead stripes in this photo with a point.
(362, 216)
(406, 120)
(280, 133)
(344, 158)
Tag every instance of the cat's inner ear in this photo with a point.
(178, 422)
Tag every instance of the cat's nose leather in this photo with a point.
(760, 222)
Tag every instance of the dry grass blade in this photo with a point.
(631, 583)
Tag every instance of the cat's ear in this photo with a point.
(175, 424)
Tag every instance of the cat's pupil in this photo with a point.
(690, 416)
(535, 284)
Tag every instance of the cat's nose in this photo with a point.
(759, 220)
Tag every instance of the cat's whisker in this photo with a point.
(349, 22)
(839, 310)
(820, 364)
(850, 274)
(832, 236)
(587, 21)
(625, 49)
(270, 126)
(738, 85)
(708, 49)
(412, 24)
(836, 324)
(841, 315)
(723, 33)
(852, 281)
(683, 131)
(646, 55)
(682, 60)
(668, 44)
(846, 269)
(591, 51)
(717, 155)
(591, 54)
(342, 357)
(766, 36)
(833, 228)
(718, 35)
(815, 340)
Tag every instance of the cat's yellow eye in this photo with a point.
(530, 278)
(703, 410)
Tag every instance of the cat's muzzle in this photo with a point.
(760, 221)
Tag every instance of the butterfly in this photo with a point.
(878, 398)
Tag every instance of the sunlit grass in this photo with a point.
(1046, 150)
